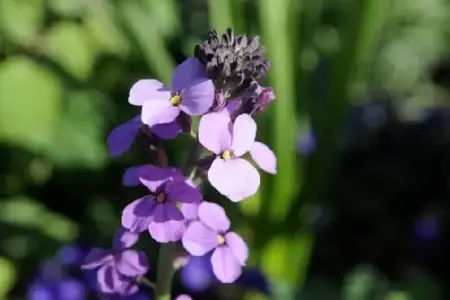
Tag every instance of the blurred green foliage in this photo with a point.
(65, 70)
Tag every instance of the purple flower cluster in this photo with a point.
(220, 86)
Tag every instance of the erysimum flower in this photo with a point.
(211, 233)
(230, 174)
(192, 92)
(159, 212)
(118, 267)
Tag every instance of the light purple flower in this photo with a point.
(122, 137)
(230, 174)
(192, 92)
(183, 297)
(211, 233)
(159, 212)
(117, 268)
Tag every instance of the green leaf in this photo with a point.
(68, 44)
(29, 103)
(67, 8)
(79, 139)
(21, 211)
(20, 21)
(8, 276)
(164, 16)
(103, 29)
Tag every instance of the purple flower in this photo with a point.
(70, 255)
(211, 233)
(192, 92)
(197, 274)
(230, 174)
(122, 137)
(66, 288)
(117, 268)
(159, 212)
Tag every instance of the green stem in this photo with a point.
(166, 270)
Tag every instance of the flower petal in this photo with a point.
(124, 238)
(238, 246)
(225, 266)
(138, 214)
(213, 215)
(131, 176)
(159, 111)
(180, 191)
(233, 105)
(122, 136)
(244, 133)
(153, 177)
(147, 89)
(108, 280)
(132, 263)
(214, 132)
(235, 178)
(264, 157)
(183, 297)
(198, 98)
(199, 239)
(168, 224)
(96, 258)
(190, 211)
(166, 131)
(188, 72)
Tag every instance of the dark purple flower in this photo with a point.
(192, 93)
(117, 268)
(159, 212)
(122, 137)
(211, 233)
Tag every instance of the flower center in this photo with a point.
(161, 197)
(175, 100)
(227, 154)
(220, 239)
(178, 204)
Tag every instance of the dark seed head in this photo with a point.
(234, 63)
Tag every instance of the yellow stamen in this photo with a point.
(175, 100)
(227, 154)
(178, 205)
(220, 239)
(161, 197)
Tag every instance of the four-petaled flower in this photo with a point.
(192, 92)
(211, 233)
(159, 212)
(116, 269)
(230, 174)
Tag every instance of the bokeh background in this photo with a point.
(360, 207)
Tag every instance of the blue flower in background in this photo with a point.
(305, 142)
(427, 227)
(52, 282)
(197, 275)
